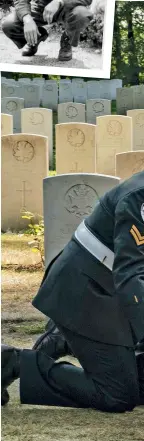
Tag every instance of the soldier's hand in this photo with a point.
(50, 10)
(31, 31)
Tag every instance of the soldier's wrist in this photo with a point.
(27, 18)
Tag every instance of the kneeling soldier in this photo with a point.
(94, 292)
(25, 25)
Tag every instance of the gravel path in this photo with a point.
(83, 57)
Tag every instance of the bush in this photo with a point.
(94, 32)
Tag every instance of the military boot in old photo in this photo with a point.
(65, 53)
(28, 50)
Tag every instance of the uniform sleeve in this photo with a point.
(22, 8)
(128, 268)
(71, 4)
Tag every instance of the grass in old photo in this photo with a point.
(21, 324)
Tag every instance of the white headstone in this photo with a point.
(93, 89)
(95, 108)
(79, 87)
(138, 128)
(75, 148)
(65, 91)
(71, 112)
(129, 163)
(114, 135)
(6, 124)
(10, 90)
(138, 96)
(50, 94)
(39, 121)
(124, 100)
(68, 199)
(13, 106)
(24, 165)
(31, 94)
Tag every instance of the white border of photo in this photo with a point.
(104, 72)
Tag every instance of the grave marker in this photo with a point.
(68, 199)
(13, 107)
(65, 91)
(129, 163)
(38, 121)
(124, 100)
(24, 165)
(6, 124)
(50, 95)
(138, 128)
(114, 135)
(75, 148)
(71, 112)
(95, 108)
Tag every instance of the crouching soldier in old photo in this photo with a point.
(25, 24)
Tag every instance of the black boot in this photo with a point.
(52, 342)
(28, 50)
(65, 53)
(10, 369)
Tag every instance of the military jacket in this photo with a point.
(24, 7)
(80, 293)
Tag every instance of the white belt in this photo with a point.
(94, 246)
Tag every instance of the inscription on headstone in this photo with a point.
(24, 165)
(50, 94)
(65, 91)
(114, 135)
(10, 90)
(93, 89)
(129, 163)
(79, 87)
(138, 128)
(13, 107)
(31, 94)
(75, 147)
(68, 199)
(124, 100)
(39, 121)
(71, 112)
(95, 108)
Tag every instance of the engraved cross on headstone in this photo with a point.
(24, 190)
(76, 168)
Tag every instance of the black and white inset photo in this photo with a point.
(74, 36)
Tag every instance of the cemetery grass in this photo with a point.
(21, 325)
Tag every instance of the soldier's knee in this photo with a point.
(8, 24)
(82, 15)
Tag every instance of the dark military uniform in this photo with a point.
(98, 304)
(73, 13)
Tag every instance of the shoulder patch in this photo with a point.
(142, 211)
(138, 237)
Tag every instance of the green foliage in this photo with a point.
(94, 32)
(128, 42)
(37, 231)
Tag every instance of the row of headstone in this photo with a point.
(49, 93)
(68, 199)
(82, 147)
(128, 98)
(67, 112)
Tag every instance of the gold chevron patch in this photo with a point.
(139, 239)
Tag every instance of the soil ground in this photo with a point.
(21, 325)
(84, 57)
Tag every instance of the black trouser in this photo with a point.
(107, 380)
(14, 28)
